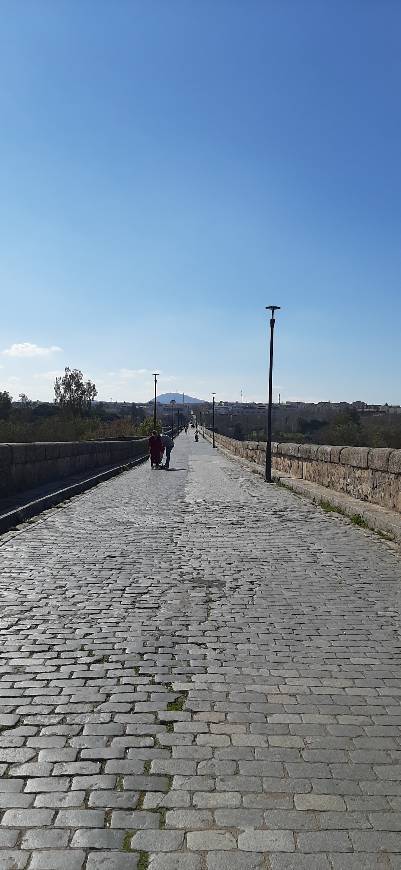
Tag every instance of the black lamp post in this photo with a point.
(268, 472)
(172, 403)
(213, 404)
(178, 422)
(155, 375)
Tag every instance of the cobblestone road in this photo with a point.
(198, 672)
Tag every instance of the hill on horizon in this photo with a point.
(165, 398)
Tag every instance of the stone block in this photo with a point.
(378, 458)
(394, 462)
(288, 449)
(308, 451)
(18, 454)
(52, 450)
(357, 457)
(324, 453)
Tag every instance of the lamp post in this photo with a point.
(172, 403)
(268, 471)
(178, 421)
(213, 404)
(155, 375)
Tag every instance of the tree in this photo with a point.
(146, 427)
(72, 393)
(24, 400)
(5, 404)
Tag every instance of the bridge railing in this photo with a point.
(369, 474)
(25, 466)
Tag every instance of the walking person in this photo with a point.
(156, 449)
(168, 445)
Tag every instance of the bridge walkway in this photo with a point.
(198, 672)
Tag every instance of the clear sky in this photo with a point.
(170, 167)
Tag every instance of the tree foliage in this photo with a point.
(73, 394)
(5, 404)
(146, 427)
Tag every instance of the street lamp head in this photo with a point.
(273, 308)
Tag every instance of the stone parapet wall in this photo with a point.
(24, 466)
(369, 474)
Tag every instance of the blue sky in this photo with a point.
(170, 167)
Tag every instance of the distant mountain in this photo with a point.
(165, 398)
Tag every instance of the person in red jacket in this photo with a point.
(156, 449)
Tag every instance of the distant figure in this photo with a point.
(196, 436)
(168, 445)
(156, 449)
(186, 428)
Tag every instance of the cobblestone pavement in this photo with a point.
(198, 672)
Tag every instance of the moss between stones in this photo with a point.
(126, 846)
(143, 861)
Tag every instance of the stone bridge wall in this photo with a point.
(23, 466)
(369, 474)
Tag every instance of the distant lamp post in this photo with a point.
(213, 418)
(172, 403)
(155, 375)
(268, 472)
(178, 422)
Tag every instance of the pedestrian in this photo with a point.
(168, 445)
(156, 449)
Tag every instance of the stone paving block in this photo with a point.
(206, 800)
(21, 818)
(8, 839)
(15, 799)
(113, 799)
(133, 820)
(238, 818)
(77, 818)
(174, 861)
(59, 800)
(149, 783)
(345, 861)
(45, 838)
(51, 783)
(319, 802)
(299, 862)
(325, 841)
(13, 859)
(376, 841)
(155, 840)
(218, 840)
(234, 861)
(266, 841)
(190, 819)
(97, 838)
(62, 859)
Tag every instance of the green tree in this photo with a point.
(73, 394)
(5, 404)
(146, 427)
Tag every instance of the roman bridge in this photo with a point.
(200, 671)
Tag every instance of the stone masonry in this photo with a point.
(25, 466)
(198, 672)
(370, 474)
